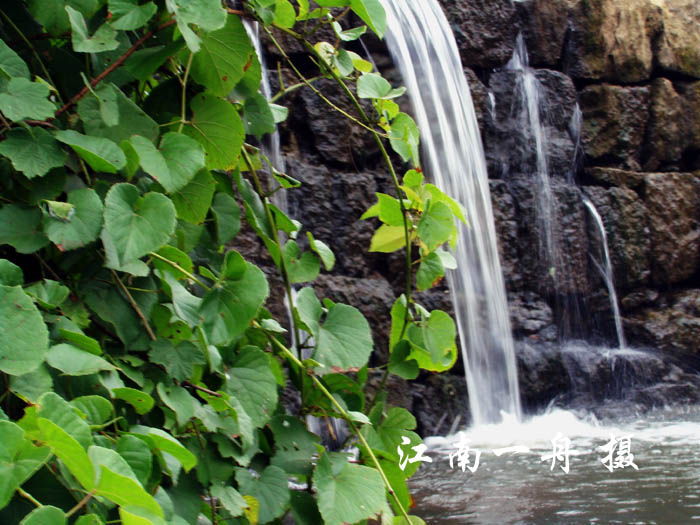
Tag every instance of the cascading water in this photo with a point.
(423, 47)
(606, 272)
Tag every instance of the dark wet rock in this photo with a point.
(638, 299)
(674, 328)
(666, 131)
(438, 400)
(530, 316)
(673, 202)
(625, 221)
(616, 177)
(541, 374)
(480, 97)
(507, 233)
(614, 124)
(545, 24)
(485, 30)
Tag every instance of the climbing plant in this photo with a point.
(141, 371)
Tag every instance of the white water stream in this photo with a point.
(423, 47)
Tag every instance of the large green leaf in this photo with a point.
(252, 382)
(257, 115)
(404, 138)
(10, 273)
(436, 225)
(33, 385)
(179, 401)
(25, 99)
(175, 164)
(207, 14)
(217, 127)
(300, 268)
(51, 14)
(373, 85)
(164, 442)
(132, 120)
(434, 346)
(82, 227)
(295, 446)
(97, 409)
(124, 491)
(68, 450)
(229, 308)
(45, 515)
(128, 15)
(344, 339)
(223, 57)
(137, 224)
(179, 361)
(270, 490)
(372, 13)
(47, 293)
(23, 334)
(100, 153)
(141, 401)
(429, 272)
(33, 153)
(11, 63)
(19, 459)
(75, 362)
(104, 39)
(194, 200)
(56, 409)
(21, 228)
(137, 454)
(352, 494)
(230, 498)
(388, 239)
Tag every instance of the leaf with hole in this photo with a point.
(104, 39)
(82, 227)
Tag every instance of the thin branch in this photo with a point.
(41, 123)
(118, 62)
(181, 269)
(184, 93)
(135, 307)
(200, 388)
(81, 503)
(28, 496)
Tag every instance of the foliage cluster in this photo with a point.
(141, 371)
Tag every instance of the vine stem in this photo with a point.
(289, 354)
(81, 503)
(179, 268)
(28, 496)
(135, 307)
(184, 93)
(118, 62)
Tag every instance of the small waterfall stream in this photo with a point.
(423, 47)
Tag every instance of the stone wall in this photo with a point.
(633, 67)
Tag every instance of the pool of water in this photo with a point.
(519, 486)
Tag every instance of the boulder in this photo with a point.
(677, 48)
(616, 177)
(506, 232)
(612, 40)
(666, 135)
(673, 203)
(545, 24)
(485, 30)
(614, 124)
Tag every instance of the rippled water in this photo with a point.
(522, 488)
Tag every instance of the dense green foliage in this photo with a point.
(141, 371)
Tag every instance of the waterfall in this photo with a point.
(423, 47)
(606, 272)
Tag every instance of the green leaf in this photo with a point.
(141, 401)
(33, 153)
(127, 15)
(323, 251)
(194, 200)
(284, 14)
(344, 339)
(124, 491)
(227, 215)
(45, 515)
(434, 346)
(372, 13)
(137, 224)
(97, 409)
(175, 164)
(405, 137)
(33, 385)
(447, 259)
(81, 341)
(230, 499)
(300, 268)
(132, 120)
(253, 383)
(223, 58)
(57, 410)
(388, 239)
(270, 490)
(390, 210)
(75, 362)
(49, 294)
(106, 457)
(68, 450)
(21, 228)
(436, 225)
(25, 99)
(138, 455)
(145, 62)
(164, 442)
(400, 364)
(373, 85)
(218, 128)
(19, 459)
(257, 116)
(350, 495)
(348, 35)
(414, 520)
(430, 272)
(309, 309)
(295, 446)
(413, 178)
(179, 361)
(104, 39)
(89, 519)
(23, 335)
(234, 265)
(207, 14)
(11, 63)
(229, 308)
(82, 227)
(10, 274)
(101, 154)
(179, 401)
(176, 256)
